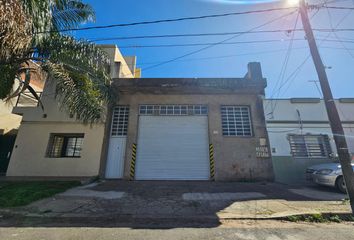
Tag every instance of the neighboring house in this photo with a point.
(159, 129)
(51, 143)
(10, 122)
(300, 134)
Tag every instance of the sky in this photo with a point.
(279, 59)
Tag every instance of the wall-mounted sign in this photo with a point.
(262, 152)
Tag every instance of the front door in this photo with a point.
(117, 143)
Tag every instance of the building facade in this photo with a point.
(158, 129)
(51, 143)
(189, 129)
(300, 134)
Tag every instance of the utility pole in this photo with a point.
(333, 116)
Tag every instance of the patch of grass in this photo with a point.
(320, 218)
(14, 194)
(294, 218)
(317, 217)
(335, 218)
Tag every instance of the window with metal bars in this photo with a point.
(65, 145)
(174, 110)
(236, 121)
(120, 121)
(310, 146)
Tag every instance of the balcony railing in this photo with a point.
(26, 99)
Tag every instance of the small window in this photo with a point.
(120, 120)
(65, 145)
(173, 110)
(236, 121)
(310, 146)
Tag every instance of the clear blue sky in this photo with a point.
(229, 60)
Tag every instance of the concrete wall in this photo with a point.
(119, 67)
(283, 119)
(235, 157)
(29, 154)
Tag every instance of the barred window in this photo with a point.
(310, 146)
(175, 110)
(236, 121)
(120, 121)
(65, 145)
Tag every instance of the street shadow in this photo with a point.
(161, 205)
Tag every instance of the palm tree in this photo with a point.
(30, 30)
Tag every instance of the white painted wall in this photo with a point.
(282, 119)
(284, 109)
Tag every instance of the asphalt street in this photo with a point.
(243, 230)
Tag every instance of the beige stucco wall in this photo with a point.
(28, 157)
(119, 67)
(235, 157)
(29, 154)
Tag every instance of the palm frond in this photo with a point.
(71, 15)
(7, 79)
(82, 82)
(15, 30)
(76, 93)
(79, 69)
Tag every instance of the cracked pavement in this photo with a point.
(164, 199)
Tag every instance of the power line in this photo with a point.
(228, 43)
(336, 36)
(236, 55)
(340, 8)
(203, 44)
(210, 46)
(225, 56)
(296, 72)
(171, 20)
(286, 60)
(219, 34)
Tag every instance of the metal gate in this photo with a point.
(117, 142)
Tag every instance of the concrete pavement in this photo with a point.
(188, 200)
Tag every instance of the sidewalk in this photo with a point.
(187, 200)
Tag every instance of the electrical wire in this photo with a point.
(336, 36)
(285, 62)
(296, 72)
(236, 55)
(217, 34)
(215, 44)
(203, 44)
(171, 20)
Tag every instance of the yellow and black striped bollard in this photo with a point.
(132, 164)
(212, 163)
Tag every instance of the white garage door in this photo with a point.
(172, 148)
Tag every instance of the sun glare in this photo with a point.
(293, 2)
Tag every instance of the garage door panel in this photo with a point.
(172, 148)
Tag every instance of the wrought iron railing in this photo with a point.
(26, 99)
